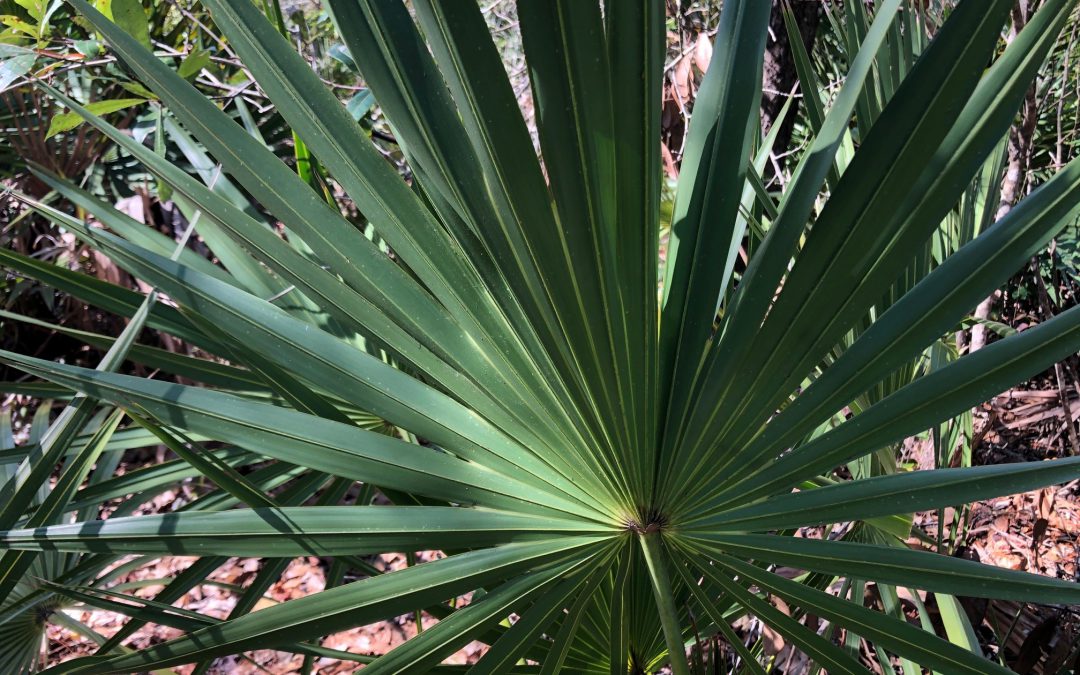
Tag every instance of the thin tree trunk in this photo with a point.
(1016, 170)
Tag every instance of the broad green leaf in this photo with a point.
(710, 189)
(379, 388)
(193, 63)
(201, 370)
(940, 395)
(826, 654)
(472, 70)
(472, 330)
(564, 44)
(937, 303)
(848, 263)
(907, 492)
(408, 86)
(514, 643)
(130, 15)
(175, 617)
(896, 566)
(355, 604)
(455, 631)
(715, 613)
(958, 627)
(68, 121)
(326, 127)
(14, 67)
(264, 239)
(514, 178)
(331, 447)
(893, 155)
(146, 480)
(110, 297)
(297, 531)
(767, 266)
(891, 633)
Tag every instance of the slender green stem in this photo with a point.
(410, 561)
(665, 602)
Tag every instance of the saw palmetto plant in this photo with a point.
(486, 368)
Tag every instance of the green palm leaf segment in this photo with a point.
(619, 468)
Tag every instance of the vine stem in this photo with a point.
(665, 601)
